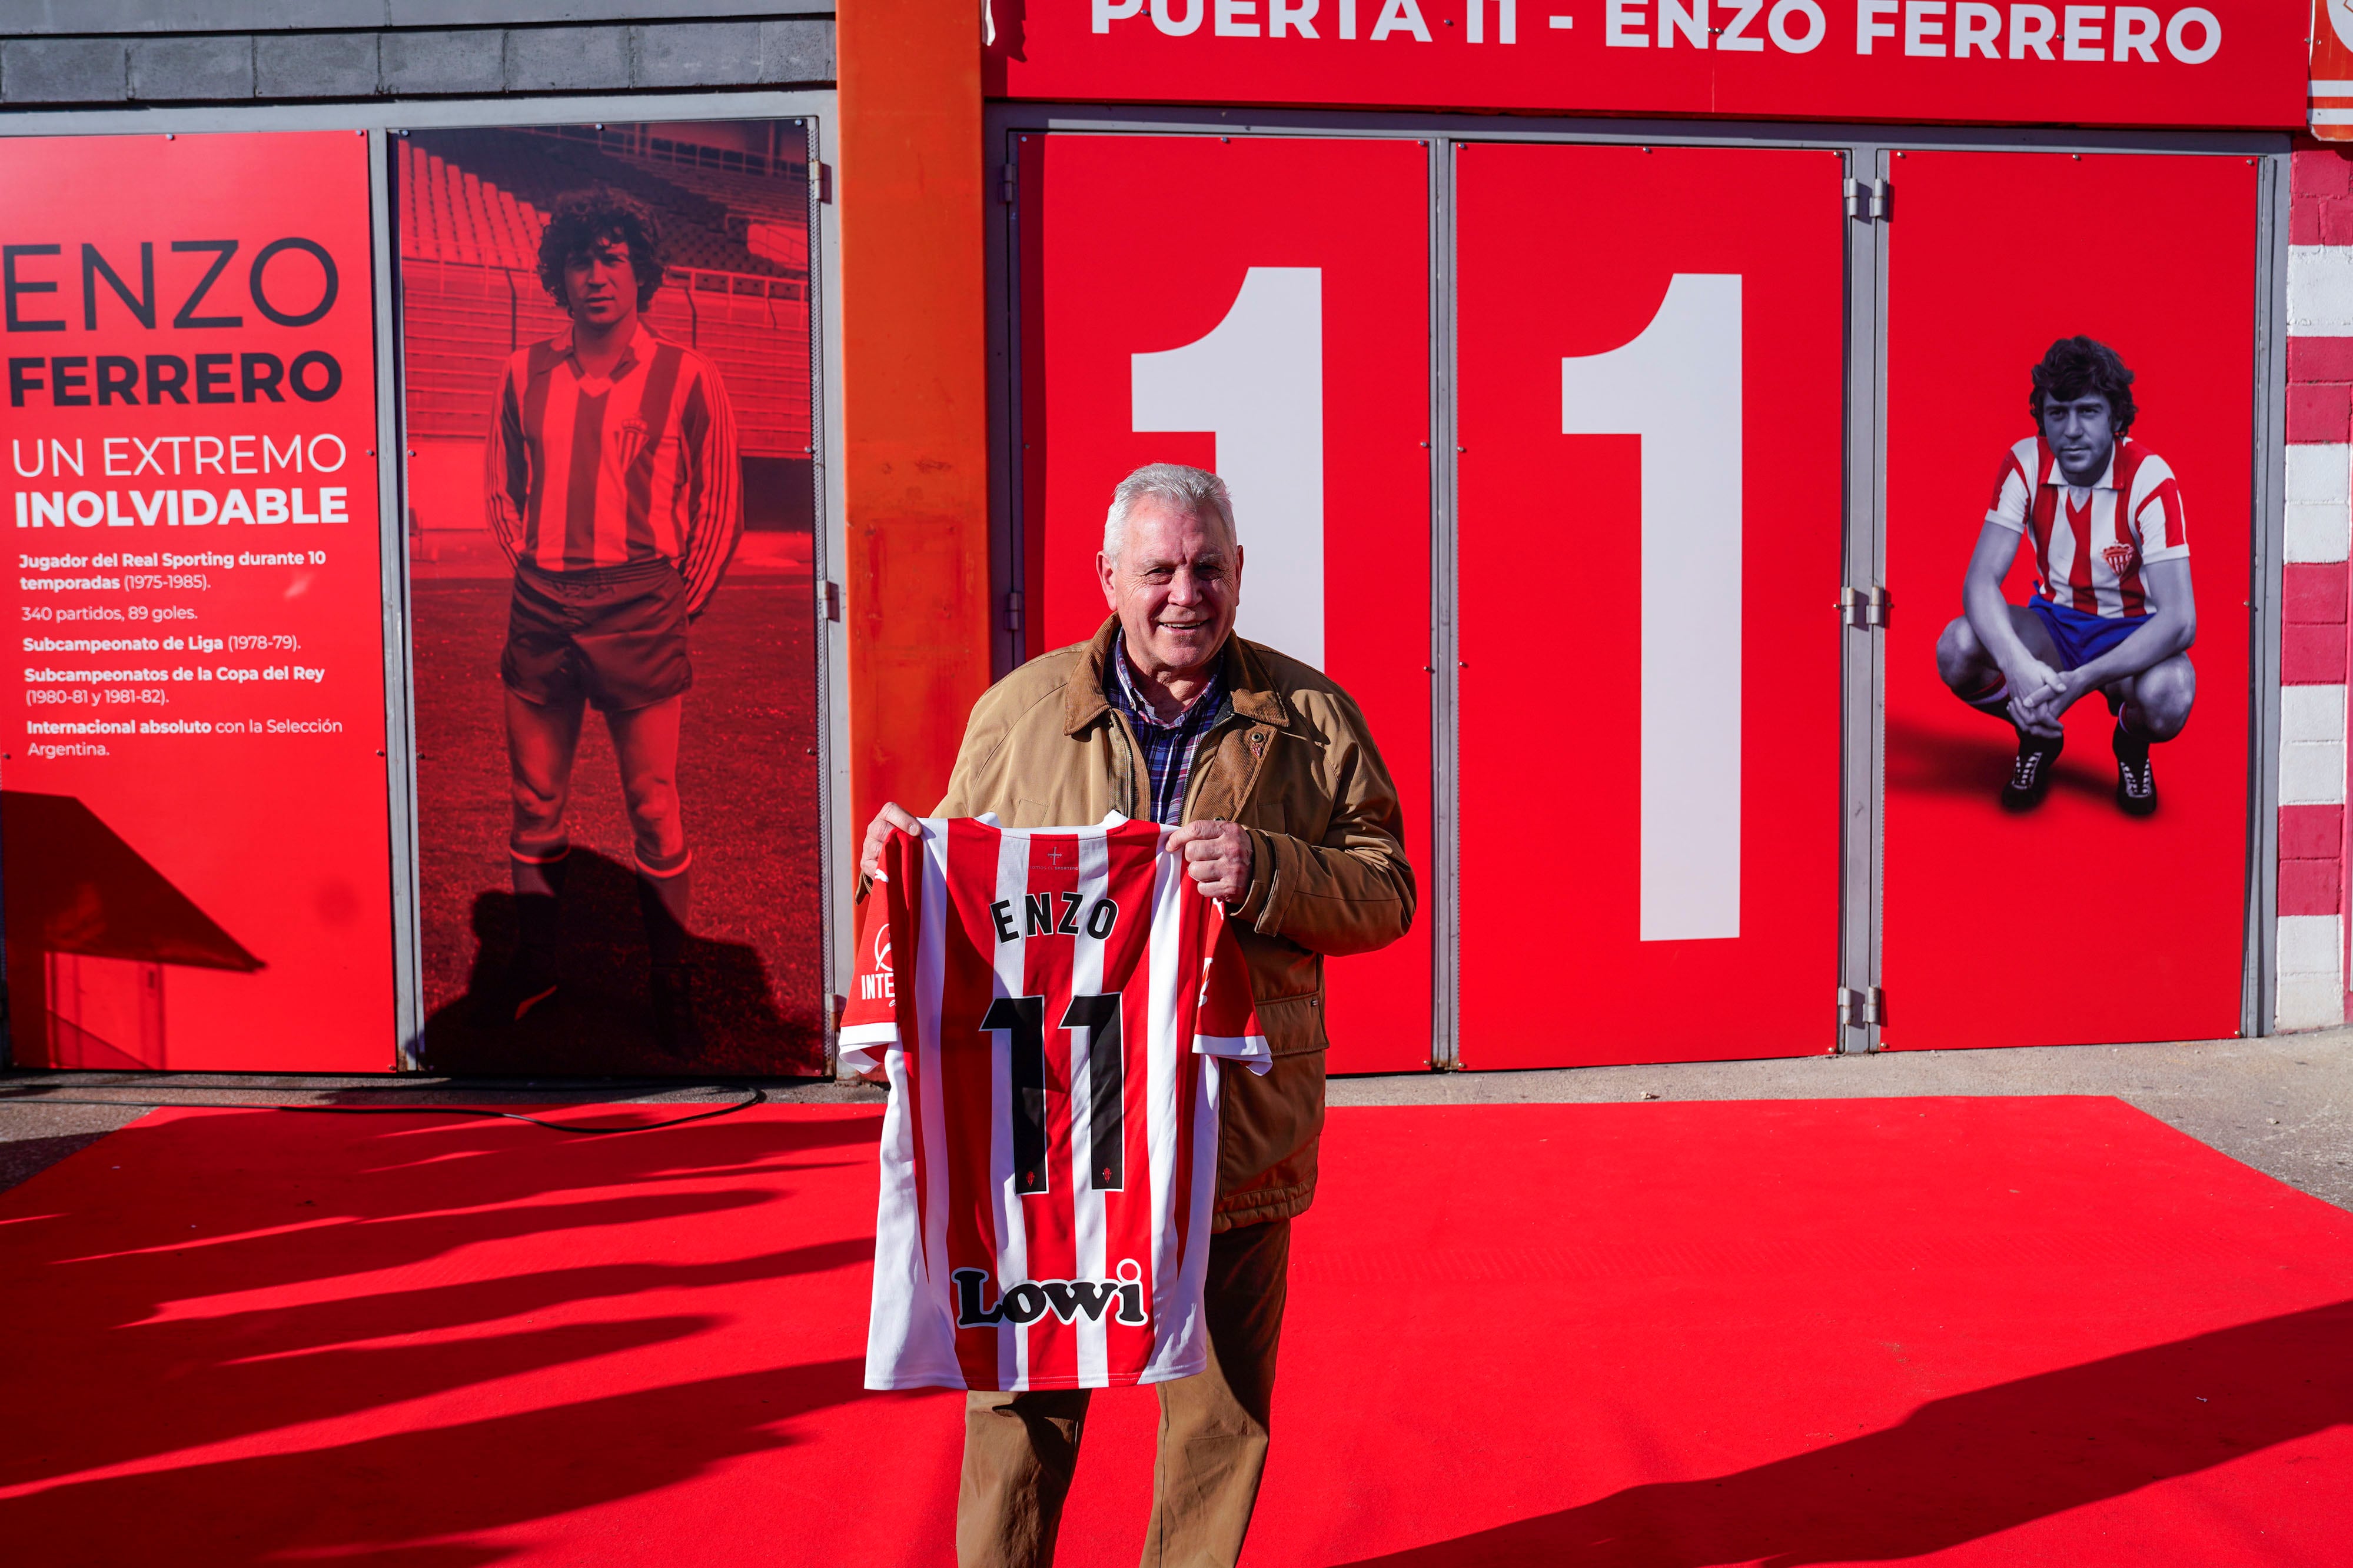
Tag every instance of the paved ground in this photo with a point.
(2283, 1106)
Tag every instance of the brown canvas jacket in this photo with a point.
(1293, 762)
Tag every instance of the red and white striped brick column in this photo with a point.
(2312, 639)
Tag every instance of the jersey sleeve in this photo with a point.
(2013, 495)
(870, 1026)
(1226, 1023)
(506, 474)
(2157, 513)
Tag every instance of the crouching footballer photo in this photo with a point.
(2112, 610)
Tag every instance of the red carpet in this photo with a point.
(1640, 1336)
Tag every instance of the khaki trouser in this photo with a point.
(1020, 1449)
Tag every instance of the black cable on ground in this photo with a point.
(758, 1097)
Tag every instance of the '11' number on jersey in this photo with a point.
(1023, 1018)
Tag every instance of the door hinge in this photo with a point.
(1858, 1008)
(824, 175)
(832, 601)
(1013, 611)
(1866, 607)
(1009, 183)
(1871, 200)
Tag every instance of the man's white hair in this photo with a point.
(1197, 492)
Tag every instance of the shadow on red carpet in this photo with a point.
(1964, 1467)
(1654, 1336)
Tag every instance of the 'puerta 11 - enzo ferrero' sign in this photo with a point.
(2212, 63)
(192, 812)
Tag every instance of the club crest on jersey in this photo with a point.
(1068, 1300)
(1038, 917)
(2119, 558)
(629, 439)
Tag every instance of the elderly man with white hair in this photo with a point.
(1288, 816)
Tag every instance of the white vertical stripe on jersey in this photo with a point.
(1012, 1223)
(1087, 1203)
(1173, 1348)
(904, 1312)
(1169, 1044)
(931, 983)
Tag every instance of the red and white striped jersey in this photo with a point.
(588, 471)
(1049, 1154)
(2091, 541)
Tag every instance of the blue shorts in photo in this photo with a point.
(2081, 638)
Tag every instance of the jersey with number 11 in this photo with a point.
(1050, 1006)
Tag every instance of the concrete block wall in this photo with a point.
(49, 69)
(2312, 955)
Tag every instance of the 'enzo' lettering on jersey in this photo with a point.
(1037, 917)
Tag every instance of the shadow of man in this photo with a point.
(1963, 1468)
(600, 1019)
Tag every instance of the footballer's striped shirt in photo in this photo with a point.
(2091, 541)
(588, 471)
(1054, 1008)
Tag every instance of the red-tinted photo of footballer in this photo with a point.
(611, 554)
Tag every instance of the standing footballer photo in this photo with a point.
(609, 343)
(2112, 609)
(611, 485)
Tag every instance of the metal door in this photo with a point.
(2072, 922)
(1651, 365)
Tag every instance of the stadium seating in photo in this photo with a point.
(460, 323)
(472, 203)
(526, 168)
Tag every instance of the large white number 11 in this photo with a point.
(1257, 381)
(1677, 387)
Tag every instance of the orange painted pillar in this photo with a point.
(913, 461)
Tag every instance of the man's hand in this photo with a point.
(878, 834)
(2053, 701)
(2034, 686)
(1217, 856)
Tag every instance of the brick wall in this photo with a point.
(2312, 637)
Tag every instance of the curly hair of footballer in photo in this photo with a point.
(607, 343)
(2111, 612)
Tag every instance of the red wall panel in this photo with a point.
(912, 459)
(197, 846)
(1290, 306)
(2072, 923)
(1649, 690)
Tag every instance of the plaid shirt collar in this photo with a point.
(1170, 746)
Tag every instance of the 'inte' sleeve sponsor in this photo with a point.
(1227, 1022)
(870, 1024)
